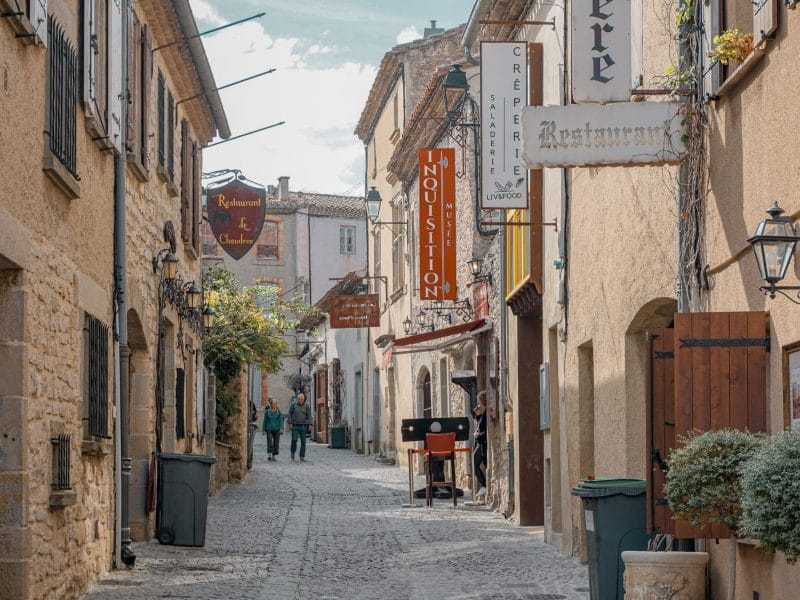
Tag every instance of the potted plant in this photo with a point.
(771, 498)
(732, 45)
(704, 485)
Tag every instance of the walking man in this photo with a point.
(300, 419)
(479, 456)
(273, 428)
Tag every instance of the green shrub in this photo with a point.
(771, 500)
(703, 482)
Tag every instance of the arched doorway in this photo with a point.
(140, 394)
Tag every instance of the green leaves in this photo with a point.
(703, 482)
(771, 500)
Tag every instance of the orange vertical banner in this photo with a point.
(437, 224)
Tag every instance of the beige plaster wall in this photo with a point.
(752, 143)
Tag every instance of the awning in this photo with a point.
(463, 331)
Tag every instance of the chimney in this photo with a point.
(432, 30)
(283, 188)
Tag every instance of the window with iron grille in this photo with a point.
(161, 93)
(347, 240)
(61, 462)
(63, 96)
(180, 403)
(96, 343)
(170, 136)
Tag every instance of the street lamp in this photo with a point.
(773, 243)
(373, 202)
(169, 263)
(193, 294)
(208, 317)
(407, 325)
(475, 267)
(455, 88)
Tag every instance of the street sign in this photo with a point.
(347, 312)
(236, 211)
(437, 224)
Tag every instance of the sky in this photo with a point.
(327, 54)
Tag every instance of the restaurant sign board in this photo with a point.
(437, 224)
(236, 211)
(601, 51)
(622, 133)
(361, 310)
(504, 91)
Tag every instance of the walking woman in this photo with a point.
(273, 428)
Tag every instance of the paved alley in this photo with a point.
(334, 527)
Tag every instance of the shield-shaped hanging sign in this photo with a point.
(236, 211)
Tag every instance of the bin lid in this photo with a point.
(609, 486)
(188, 457)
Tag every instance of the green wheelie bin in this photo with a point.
(614, 513)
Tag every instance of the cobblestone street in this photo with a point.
(334, 527)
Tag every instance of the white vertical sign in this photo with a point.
(504, 92)
(601, 51)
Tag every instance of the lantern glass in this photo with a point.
(422, 318)
(407, 325)
(475, 265)
(170, 266)
(208, 317)
(373, 204)
(193, 295)
(774, 242)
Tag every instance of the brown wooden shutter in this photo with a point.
(147, 91)
(133, 50)
(186, 183)
(535, 176)
(197, 187)
(707, 373)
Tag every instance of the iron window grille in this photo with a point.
(61, 462)
(63, 97)
(161, 95)
(97, 377)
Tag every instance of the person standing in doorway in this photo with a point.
(273, 428)
(480, 453)
(300, 419)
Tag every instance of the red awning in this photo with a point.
(439, 333)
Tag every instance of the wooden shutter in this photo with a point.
(186, 183)
(660, 426)
(180, 403)
(147, 92)
(115, 74)
(197, 187)
(38, 19)
(712, 21)
(536, 178)
(89, 52)
(131, 81)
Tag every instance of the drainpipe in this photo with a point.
(471, 30)
(120, 282)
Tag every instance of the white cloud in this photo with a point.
(321, 106)
(203, 11)
(408, 34)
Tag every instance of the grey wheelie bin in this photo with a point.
(183, 498)
(614, 511)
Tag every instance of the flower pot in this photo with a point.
(665, 575)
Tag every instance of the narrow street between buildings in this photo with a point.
(334, 527)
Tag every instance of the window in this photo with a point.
(61, 462)
(347, 240)
(29, 20)
(170, 136)
(145, 89)
(398, 254)
(96, 373)
(793, 386)
(187, 182)
(267, 246)
(396, 111)
(376, 260)
(63, 97)
(162, 90)
(180, 403)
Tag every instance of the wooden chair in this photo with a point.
(440, 446)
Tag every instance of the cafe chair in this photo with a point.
(440, 446)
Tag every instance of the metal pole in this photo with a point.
(258, 16)
(236, 137)
(120, 278)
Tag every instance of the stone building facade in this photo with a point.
(59, 449)
(307, 239)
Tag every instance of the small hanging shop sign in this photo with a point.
(437, 224)
(361, 310)
(236, 210)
